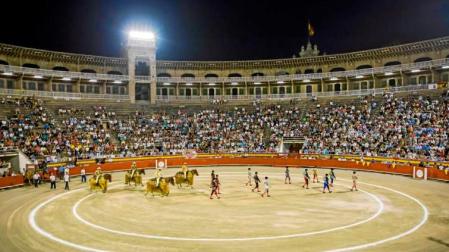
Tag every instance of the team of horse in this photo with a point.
(163, 188)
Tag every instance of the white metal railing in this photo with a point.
(295, 77)
(360, 92)
(61, 95)
(61, 74)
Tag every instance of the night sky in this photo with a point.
(222, 30)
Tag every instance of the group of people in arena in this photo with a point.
(412, 126)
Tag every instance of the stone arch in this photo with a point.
(234, 75)
(30, 65)
(364, 67)
(282, 72)
(115, 73)
(309, 71)
(88, 71)
(187, 75)
(165, 75)
(2, 62)
(392, 63)
(337, 69)
(422, 59)
(211, 75)
(257, 74)
(60, 68)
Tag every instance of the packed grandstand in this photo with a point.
(411, 126)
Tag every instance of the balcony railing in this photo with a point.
(345, 93)
(426, 65)
(61, 95)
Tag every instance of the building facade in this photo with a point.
(140, 77)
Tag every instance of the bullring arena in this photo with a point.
(389, 212)
(372, 125)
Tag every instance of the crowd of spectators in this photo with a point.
(410, 127)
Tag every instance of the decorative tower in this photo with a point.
(141, 48)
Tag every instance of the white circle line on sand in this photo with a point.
(149, 236)
(32, 222)
(392, 238)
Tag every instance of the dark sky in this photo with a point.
(222, 29)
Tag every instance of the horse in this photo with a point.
(180, 179)
(137, 179)
(102, 183)
(163, 187)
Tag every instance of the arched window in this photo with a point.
(29, 65)
(188, 75)
(115, 73)
(309, 71)
(236, 75)
(364, 67)
(281, 73)
(392, 63)
(257, 74)
(422, 59)
(211, 75)
(337, 69)
(60, 68)
(166, 75)
(88, 71)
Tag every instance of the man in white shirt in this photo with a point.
(66, 180)
(266, 185)
(35, 179)
(52, 181)
(83, 175)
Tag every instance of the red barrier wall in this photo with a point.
(268, 161)
(275, 161)
(11, 181)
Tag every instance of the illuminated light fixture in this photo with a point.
(280, 82)
(166, 84)
(388, 73)
(445, 67)
(416, 70)
(211, 84)
(257, 83)
(333, 79)
(93, 81)
(38, 77)
(7, 74)
(306, 81)
(117, 82)
(359, 77)
(66, 79)
(141, 35)
(234, 83)
(189, 84)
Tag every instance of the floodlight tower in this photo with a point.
(141, 47)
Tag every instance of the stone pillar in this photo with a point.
(77, 86)
(48, 85)
(374, 82)
(103, 87)
(322, 85)
(132, 78)
(19, 82)
(223, 90)
(435, 76)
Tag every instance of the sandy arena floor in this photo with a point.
(389, 213)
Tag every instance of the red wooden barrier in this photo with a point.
(11, 181)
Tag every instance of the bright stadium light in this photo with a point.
(234, 83)
(141, 35)
(306, 81)
(211, 84)
(93, 81)
(388, 73)
(8, 74)
(333, 79)
(445, 67)
(257, 83)
(66, 79)
(359, 77)
(280, 82)
(416, 70)
(166, 84)
(189, 84)
(38, 77)
(117, 82)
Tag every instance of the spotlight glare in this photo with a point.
(117, 82)
(66, 79)
(93, 81)
(141, 35)
(306, 81)
(8, 74)
(416, 70)
(38, 77)
(359, 77)
(388, 73)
